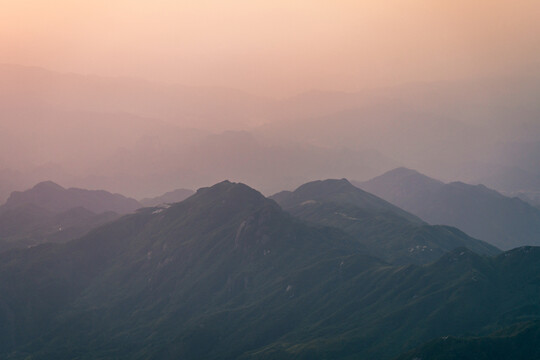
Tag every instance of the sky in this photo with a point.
(275, 48)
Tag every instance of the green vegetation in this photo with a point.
(227, 274)
(386, 231)
(518, 342)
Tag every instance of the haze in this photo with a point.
(278, 179)
(276, 48)
(143, 97)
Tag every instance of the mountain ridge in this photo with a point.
(479, 211)
(162, 283)
(54, 197)
(389, 232)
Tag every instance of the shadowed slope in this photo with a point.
(387, 231)
(481, 212)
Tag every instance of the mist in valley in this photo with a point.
(269, 180)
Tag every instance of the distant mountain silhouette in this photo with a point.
(512, 180)
(168, 198)
(138, 137)
(387, 231)
(201, 107)
(481, 212)
(141, 155)
(505, 177)
(55, 198)
(49, 213)
(531, 198)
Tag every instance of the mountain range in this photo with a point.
(227, 273)
(53, 197)
(50, 213)
(479, 211)
(139, 137)
(389, 232)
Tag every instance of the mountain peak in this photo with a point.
(339, 191)
(42, 190)
(235, 196)
(401, 174)
(481, 212)
(403, 171)
(48, 186)
(227, 186)
(251, 220)
(326, 186)
(401, 183)
(54, 197)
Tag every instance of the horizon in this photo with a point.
(277, 48)
(308, 91)
(95, 131)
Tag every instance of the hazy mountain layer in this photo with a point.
(140, 138)
(53, 197)
(50, 213)
(168, 198)
(481, 212)
(386, 230)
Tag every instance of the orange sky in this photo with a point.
(276, 47)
